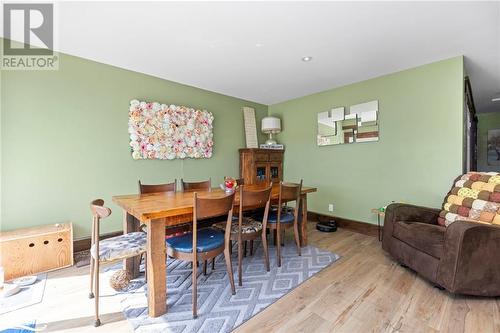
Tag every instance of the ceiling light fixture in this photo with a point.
(496, 99)
(306, 59)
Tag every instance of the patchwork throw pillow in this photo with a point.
(474, 197)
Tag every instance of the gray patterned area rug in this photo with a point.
(218, 309)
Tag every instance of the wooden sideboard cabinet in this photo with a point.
(261, 165)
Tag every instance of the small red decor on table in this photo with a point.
(229, 185)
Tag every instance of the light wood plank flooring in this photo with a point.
(365, 291)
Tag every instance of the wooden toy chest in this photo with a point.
(34, 250)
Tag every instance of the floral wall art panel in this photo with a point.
(167, 132)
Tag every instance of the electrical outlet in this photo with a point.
(330, 207)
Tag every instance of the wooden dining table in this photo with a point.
(160, 210)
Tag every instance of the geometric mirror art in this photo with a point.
(360, 124)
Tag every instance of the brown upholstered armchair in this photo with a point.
(462, 258)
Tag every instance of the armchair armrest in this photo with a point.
(409, 213)
(470, 262)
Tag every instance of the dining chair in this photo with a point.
(246, 228)
(196, 186)
(157, 188)
(162, 188)
(119, 247)
(240, 182)
(206, 243)
(205, 185)
(281, 219)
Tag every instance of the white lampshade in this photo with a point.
(271, 125)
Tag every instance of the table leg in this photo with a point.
(156, 268)
(131, 224)
(303, 225)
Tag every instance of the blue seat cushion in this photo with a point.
(273, 217)
(208, 239)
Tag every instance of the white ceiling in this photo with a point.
(254, 50)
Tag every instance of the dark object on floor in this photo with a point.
(82, 258)
(462, 258)
(327, 226)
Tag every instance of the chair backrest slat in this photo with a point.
(98, 209)
(157, 188)
(290, 191)
(211, 207)
(255, 198)
(196, 186)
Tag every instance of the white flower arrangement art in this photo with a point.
(167, 132)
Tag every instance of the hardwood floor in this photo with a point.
(365, 291)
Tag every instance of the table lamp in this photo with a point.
(271, 125)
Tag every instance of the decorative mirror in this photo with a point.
(359, 125)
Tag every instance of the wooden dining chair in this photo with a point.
(281, 219)
(246, 228)
(120, 247)
(239, 182)
(157, 188)
(205, 185)
(162, 188)
(207, 243)
(196, 186)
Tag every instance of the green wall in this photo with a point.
(64, 141)
(486, 122)
(417, 157)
